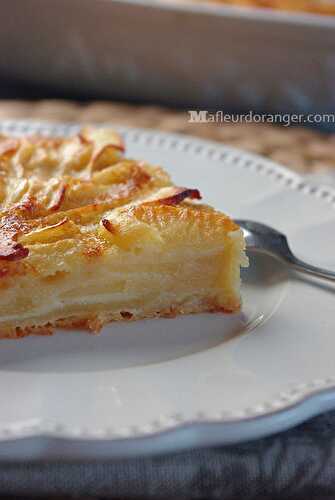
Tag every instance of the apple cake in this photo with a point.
(88, 237)
(325, 7)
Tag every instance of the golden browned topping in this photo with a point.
(326, 7)
(177, 196)
(10, 227)
(201, 222)
(108, 225)
(58, 189)
(8, 146)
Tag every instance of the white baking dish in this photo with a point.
(185, 54)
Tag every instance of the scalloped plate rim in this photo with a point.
(49, 440)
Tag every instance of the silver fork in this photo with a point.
(262, 238)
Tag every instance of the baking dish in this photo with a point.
(177, 53)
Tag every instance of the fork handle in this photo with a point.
(300, 265)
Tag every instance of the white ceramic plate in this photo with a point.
(165, 385)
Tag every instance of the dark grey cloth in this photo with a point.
(297, 465)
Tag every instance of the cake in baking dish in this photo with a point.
(326, 7)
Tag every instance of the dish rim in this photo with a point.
(298, 18)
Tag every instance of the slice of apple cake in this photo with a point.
(88, 237)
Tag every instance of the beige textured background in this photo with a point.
(301, 149)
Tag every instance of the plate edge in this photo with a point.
(213, 151)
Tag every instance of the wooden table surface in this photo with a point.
(301, 149)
